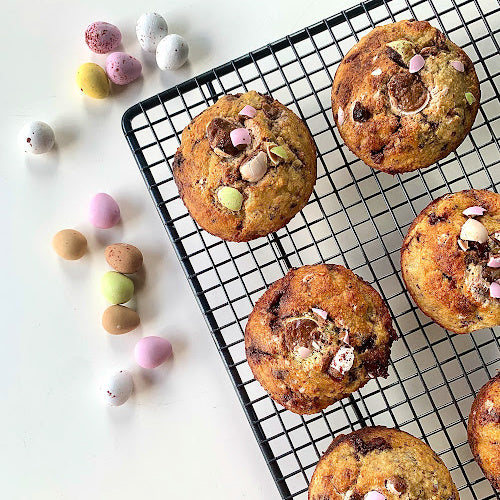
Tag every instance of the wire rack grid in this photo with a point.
(356, 217)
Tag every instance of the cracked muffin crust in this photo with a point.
(447, 276)
(394, 116)
(484, 430)
(376, 463)
(317, 335)
(242, 191)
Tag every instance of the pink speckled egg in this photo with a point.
(122, 68)
(152, 351)
(104, 212)
(102, 37)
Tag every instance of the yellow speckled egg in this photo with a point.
(92, 80)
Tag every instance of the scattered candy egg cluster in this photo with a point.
(474, 231)
(152, 32)
(121, 68)
(118, 288)
(125, 259)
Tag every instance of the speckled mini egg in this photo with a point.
(118, 319)
(118, 388)
(152, 351)
(69, 244)
(104, 212)
(36, 137)
(102, 37)
(92, 81)
(122, 68)
(150, 29)
(172, 52)
(116, 287)
(123, 257)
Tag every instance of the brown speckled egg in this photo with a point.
(123, 257)
(120, 319)
(69, 244)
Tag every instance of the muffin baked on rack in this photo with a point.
(404, 97)
(484, 430)
(450, 260)
(245, 166)
(317, 335)
(377, 463)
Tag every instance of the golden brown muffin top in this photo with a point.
(396, 120)
(207, 161)
(484, 430)
(317, 335)
(377, 459)
(449, 278)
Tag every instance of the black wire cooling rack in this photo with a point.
(356, 217)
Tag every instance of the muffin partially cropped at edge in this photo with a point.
(484, 430)
(317, 335)
(450, 260)
(404, 97)
(376, 463)
(246, 165)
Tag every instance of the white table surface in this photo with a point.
(183, 434)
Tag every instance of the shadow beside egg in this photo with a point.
(169, 78)
(45, 164)
(106, 237)
(130, 90)
(66, 133)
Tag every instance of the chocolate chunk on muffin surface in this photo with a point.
(404, 97)
(484, 430)
(245, 166)
(450, 260)
(376, 463)
(317, 335)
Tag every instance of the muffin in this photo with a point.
(317, 335)
(449, 260)
(246, 165)
(484, 430)
(377, 463)
(404, 97)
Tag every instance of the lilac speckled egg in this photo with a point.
(122, 68)
(104, 212)
(152, 351)
(102, 37)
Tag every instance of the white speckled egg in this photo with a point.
(36, 137)
(118, 388)
(150, 29)
(172, 52)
